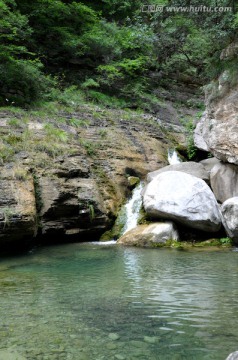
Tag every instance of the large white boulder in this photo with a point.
(150, 235)
(188, 200)
(188, 167)
(229, 211)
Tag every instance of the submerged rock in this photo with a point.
(114, 336)
(184, 198)
(9, 355)
(154, 234)
(150, 339)
(229, 211)
(224, 181)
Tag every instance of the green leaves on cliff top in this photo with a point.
(113, 43)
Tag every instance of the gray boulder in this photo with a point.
(229, 211)
(154, 234)
(199, 135)
(192, 168)
(209, 163)
(184, 198)
(224, 181)
(233, 356)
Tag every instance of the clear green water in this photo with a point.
(95, 302)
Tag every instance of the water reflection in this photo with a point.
(190, 293)
(95, 302)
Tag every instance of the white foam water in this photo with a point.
(133, 209)
(173, 157)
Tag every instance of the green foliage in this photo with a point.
(14, 29)
(54, 133)
(14, 122)
(20, 174)
(8, 214)
(21, 77)
(89, 146)
(236, 21)
(21, 81)
(225, 241)
(106, 100)
(77, 123)
(69, 51)
(102, 133)
(71, 96)
(89, 83)
(58, 28)
(13, 139)
(189, 129)
(91, 212)
(6, 153)
(38, 195)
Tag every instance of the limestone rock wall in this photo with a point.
(69, 181)
(217, 131)
(18, 217)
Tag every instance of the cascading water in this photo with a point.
(173, 157)
(132, 209)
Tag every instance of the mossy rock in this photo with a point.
(133, 181)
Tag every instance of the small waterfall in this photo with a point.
(132, 209)
(173, 157)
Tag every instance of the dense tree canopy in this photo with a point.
(111, 47)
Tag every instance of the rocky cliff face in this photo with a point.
(217, 132)
(18, 218)
(68, 176)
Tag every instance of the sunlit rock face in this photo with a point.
(183, 198)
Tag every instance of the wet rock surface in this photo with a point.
(151, 235)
